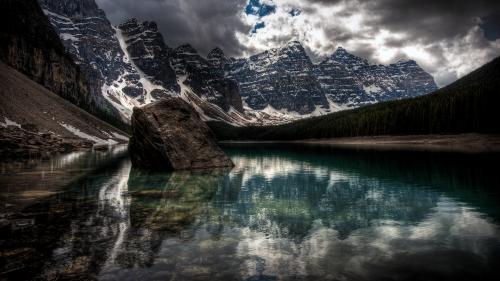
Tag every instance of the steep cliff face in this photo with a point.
(147, 50)
(167, 70)
(130, 65)
(281, 78)
(90, 39)
(287, 80)
(31, 46)
(413, 80)
(205, 79)
(352, 81)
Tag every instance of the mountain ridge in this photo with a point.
(469, 105)
(134, 67)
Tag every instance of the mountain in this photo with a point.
(205, 78)
(46, 104)
(147, 51)
(469, 105)
(286, 79)
(92, 42)
(31, 46)
(281, 78)
(130, 65)
(351, 81)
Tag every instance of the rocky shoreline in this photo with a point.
(467, 143)
(26, 142)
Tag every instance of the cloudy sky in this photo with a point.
(448, 38)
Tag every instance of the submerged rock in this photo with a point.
(169, 135)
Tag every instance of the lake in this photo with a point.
(285, 212)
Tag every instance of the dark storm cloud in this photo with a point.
(204, 24)
(491, 26)
(431, 19)
(425, 19)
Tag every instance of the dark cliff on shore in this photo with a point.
(31, 46)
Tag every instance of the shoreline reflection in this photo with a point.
(280, 214)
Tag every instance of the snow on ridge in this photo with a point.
(126, 103)
(68, 36)
(9, 122)
(50, 13)
(83, 135)
(146, 83)
(118, 136)
(372, 89)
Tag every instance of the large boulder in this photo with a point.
(169, 135)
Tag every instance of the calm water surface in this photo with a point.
(283, 213)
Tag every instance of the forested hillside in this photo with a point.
(471, 104)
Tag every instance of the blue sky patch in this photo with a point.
(294, 12)
(258, 26)
(256, 8)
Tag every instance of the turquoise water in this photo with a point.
(285, 212)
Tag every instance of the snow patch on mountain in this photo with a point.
(144, 80)
(9, 122)
(80, 134)
(372, 89)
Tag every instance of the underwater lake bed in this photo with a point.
(284, 212)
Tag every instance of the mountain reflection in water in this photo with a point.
(300, 212)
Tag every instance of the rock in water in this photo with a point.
(169, 135)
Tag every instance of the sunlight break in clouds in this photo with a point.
(322, 28)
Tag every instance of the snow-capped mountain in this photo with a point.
(92, 42)
(130, 65)
(144, 47)
(204, 77)
(286, 80)
(352, 81)
(281, 78)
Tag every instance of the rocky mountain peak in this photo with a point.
(293, 47)
(134, 26)
(130, 23)
(340, 50)
(206, 78)
(279, 79)
(151, 25)
(217, 59)
(74, 8)
(352, 81)
(149, 53)
(216, 53)
(342, 56)
(294, 44)
(186, 49)
(407, 63)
